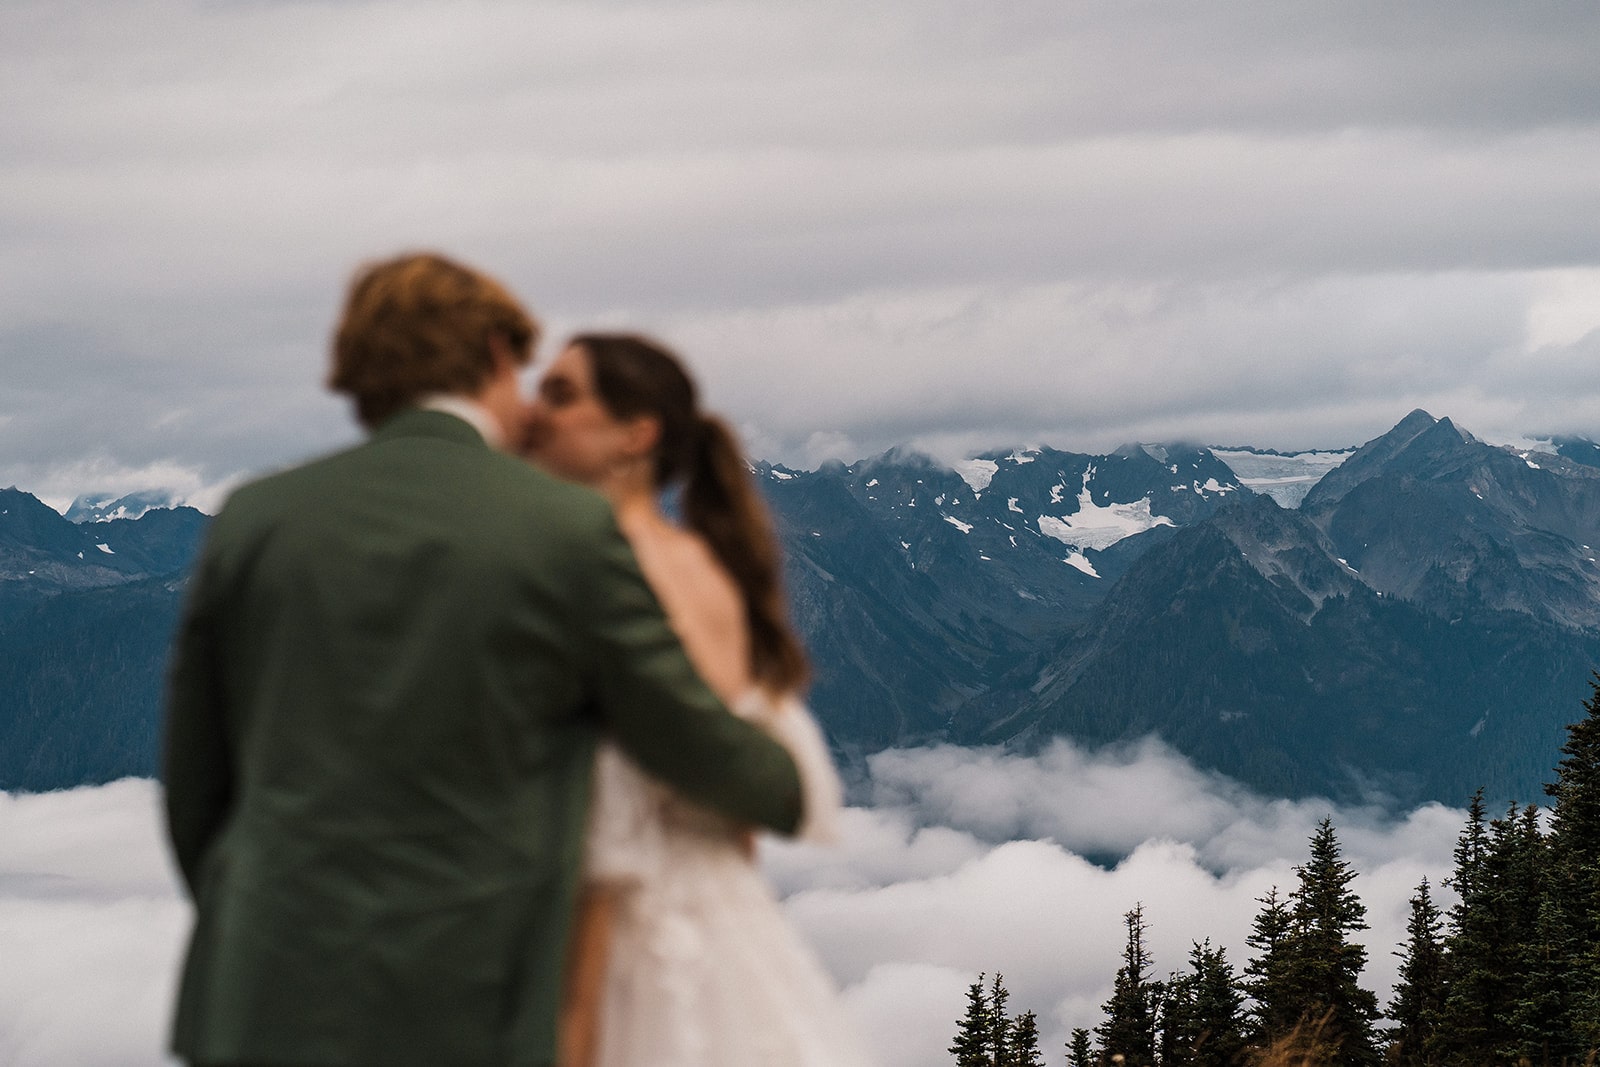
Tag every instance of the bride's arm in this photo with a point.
(588, 954)
(622, 847)
(704, 608)
(821, 792)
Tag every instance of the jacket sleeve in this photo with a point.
(662, 714)
(197, 765)
(822, 794)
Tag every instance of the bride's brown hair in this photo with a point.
(634, 376)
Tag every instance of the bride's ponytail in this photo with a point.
(720, 502)
(635, 376)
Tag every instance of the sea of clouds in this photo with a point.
(958, 861)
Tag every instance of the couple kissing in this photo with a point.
(464, 746)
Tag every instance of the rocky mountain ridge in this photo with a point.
(1423, 623)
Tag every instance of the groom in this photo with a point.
(385, 696)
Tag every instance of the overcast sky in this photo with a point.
(983, 849)
(954, 224)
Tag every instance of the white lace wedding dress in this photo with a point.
(705, 970)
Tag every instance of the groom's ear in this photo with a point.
(505, 352)
(642, 434)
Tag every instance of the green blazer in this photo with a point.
(384, 701)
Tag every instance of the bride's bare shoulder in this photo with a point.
(701, 576)
(703, 604)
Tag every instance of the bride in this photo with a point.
(681, 954)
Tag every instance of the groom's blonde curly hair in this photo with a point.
(419, 324)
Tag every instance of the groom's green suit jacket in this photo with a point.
(384, 701)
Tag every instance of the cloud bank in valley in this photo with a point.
(964, 861)
(974, 860)
(91, 927)
(1281, 224)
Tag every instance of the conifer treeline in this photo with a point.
(1510, 975)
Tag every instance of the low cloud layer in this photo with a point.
(966, 861)
(91, 927)
(974, 860)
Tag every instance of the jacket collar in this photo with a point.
(473, 412)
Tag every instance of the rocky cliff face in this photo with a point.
(1430, 514)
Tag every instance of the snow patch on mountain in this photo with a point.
(1285, 478)
(977, 473)
(1100, 526)
(1078, 560)
(101, 508)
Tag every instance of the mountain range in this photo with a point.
(86, 614)
(1421, 624)
(1405, 621)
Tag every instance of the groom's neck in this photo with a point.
(470, 411)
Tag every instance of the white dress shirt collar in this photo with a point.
(469, 411)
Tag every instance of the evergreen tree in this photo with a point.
(1543, 1016)
(1492, 1011)
(972, 1047)
(1471, 849)
(999, 1023)
(1573, 914)
(1176, 1026)
(1419, 993)
(1473, 948)
(1129, 1029)
(988, 1037)
(1025, 1051)
(1538, 974)
(1079, 1053)
(1325, 965)
(1217, 1008)
(1201, 1019)
(1276, 1013)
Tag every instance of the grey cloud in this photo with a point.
(1278, 223)
(925, 891)
(1323, 363)
(877, 848)
(1110, 801)
(102, 840)
(91, 923)
(837, 74)
(1052, 923)
(392, 116)
(129, 410)
(1196, 849)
